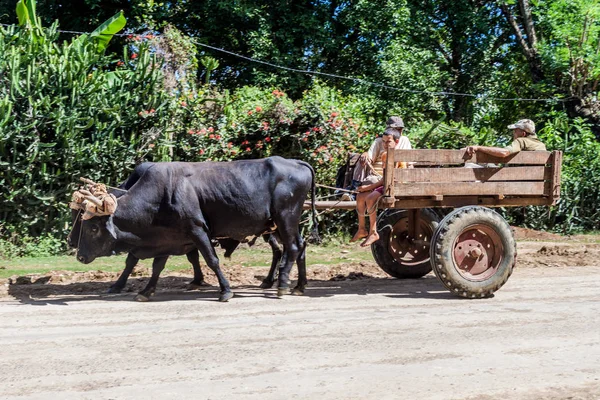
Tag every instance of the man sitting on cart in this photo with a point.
(364, 172)
(524, 138)
(367, 199)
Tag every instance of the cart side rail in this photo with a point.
(440, 179)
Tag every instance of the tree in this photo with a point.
(566, 56)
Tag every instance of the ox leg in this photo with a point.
(202, 242)
(130, 263)
(268, 282)
(301, 261)
(290, 254)
(194, 258)
(157, 266)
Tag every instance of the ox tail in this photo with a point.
(314, 234)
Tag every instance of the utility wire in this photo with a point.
(356, 80)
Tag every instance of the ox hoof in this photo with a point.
(225, 296)
(114, 289)
(298, 292)
(266, 284)
(141, 297)
(283, 291)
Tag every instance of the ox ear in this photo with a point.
(111, 227)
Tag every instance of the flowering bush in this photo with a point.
(256, 123)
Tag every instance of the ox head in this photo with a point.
(93, 233)
(97, 239)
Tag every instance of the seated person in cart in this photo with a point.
(367, 199)
(524, 138)
(364, 170)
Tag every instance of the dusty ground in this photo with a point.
(355, 334)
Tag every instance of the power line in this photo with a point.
(356, 80)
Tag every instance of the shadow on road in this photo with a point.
(172, 288)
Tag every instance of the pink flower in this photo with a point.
(268, 139)
(258, 108)
(211, 136)
(229, 145)
(191, 132)
(211, 129)
(183, 104)
(334, 114)
(248, 149)
(217, 137)
(250, 112)
(120, 63)
(201, 151)
(133, 56)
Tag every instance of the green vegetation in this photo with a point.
(97, 104)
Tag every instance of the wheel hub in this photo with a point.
(478, 252)
(408, 250)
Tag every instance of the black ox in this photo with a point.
(229, 245)
(181, 208)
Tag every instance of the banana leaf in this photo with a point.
(22, 13)
(104, 33)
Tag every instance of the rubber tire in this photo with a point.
(444, 267)
(380, 250)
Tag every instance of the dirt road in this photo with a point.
(377, 338)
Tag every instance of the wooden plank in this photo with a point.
(469, 188)
(461, 201)
(447, 202)
(388, 174)
(454, 157)
(554, 185)
(532, 173)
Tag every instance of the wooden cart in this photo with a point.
(471, 248)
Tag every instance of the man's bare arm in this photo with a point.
(492, 151)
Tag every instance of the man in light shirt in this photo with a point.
(367, 199)
(369, 164)
(372, 158)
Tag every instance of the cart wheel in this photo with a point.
(395, 252)
(473, 252)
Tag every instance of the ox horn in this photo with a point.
(88, 181)
(95, 200)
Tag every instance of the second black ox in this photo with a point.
(174, 208)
